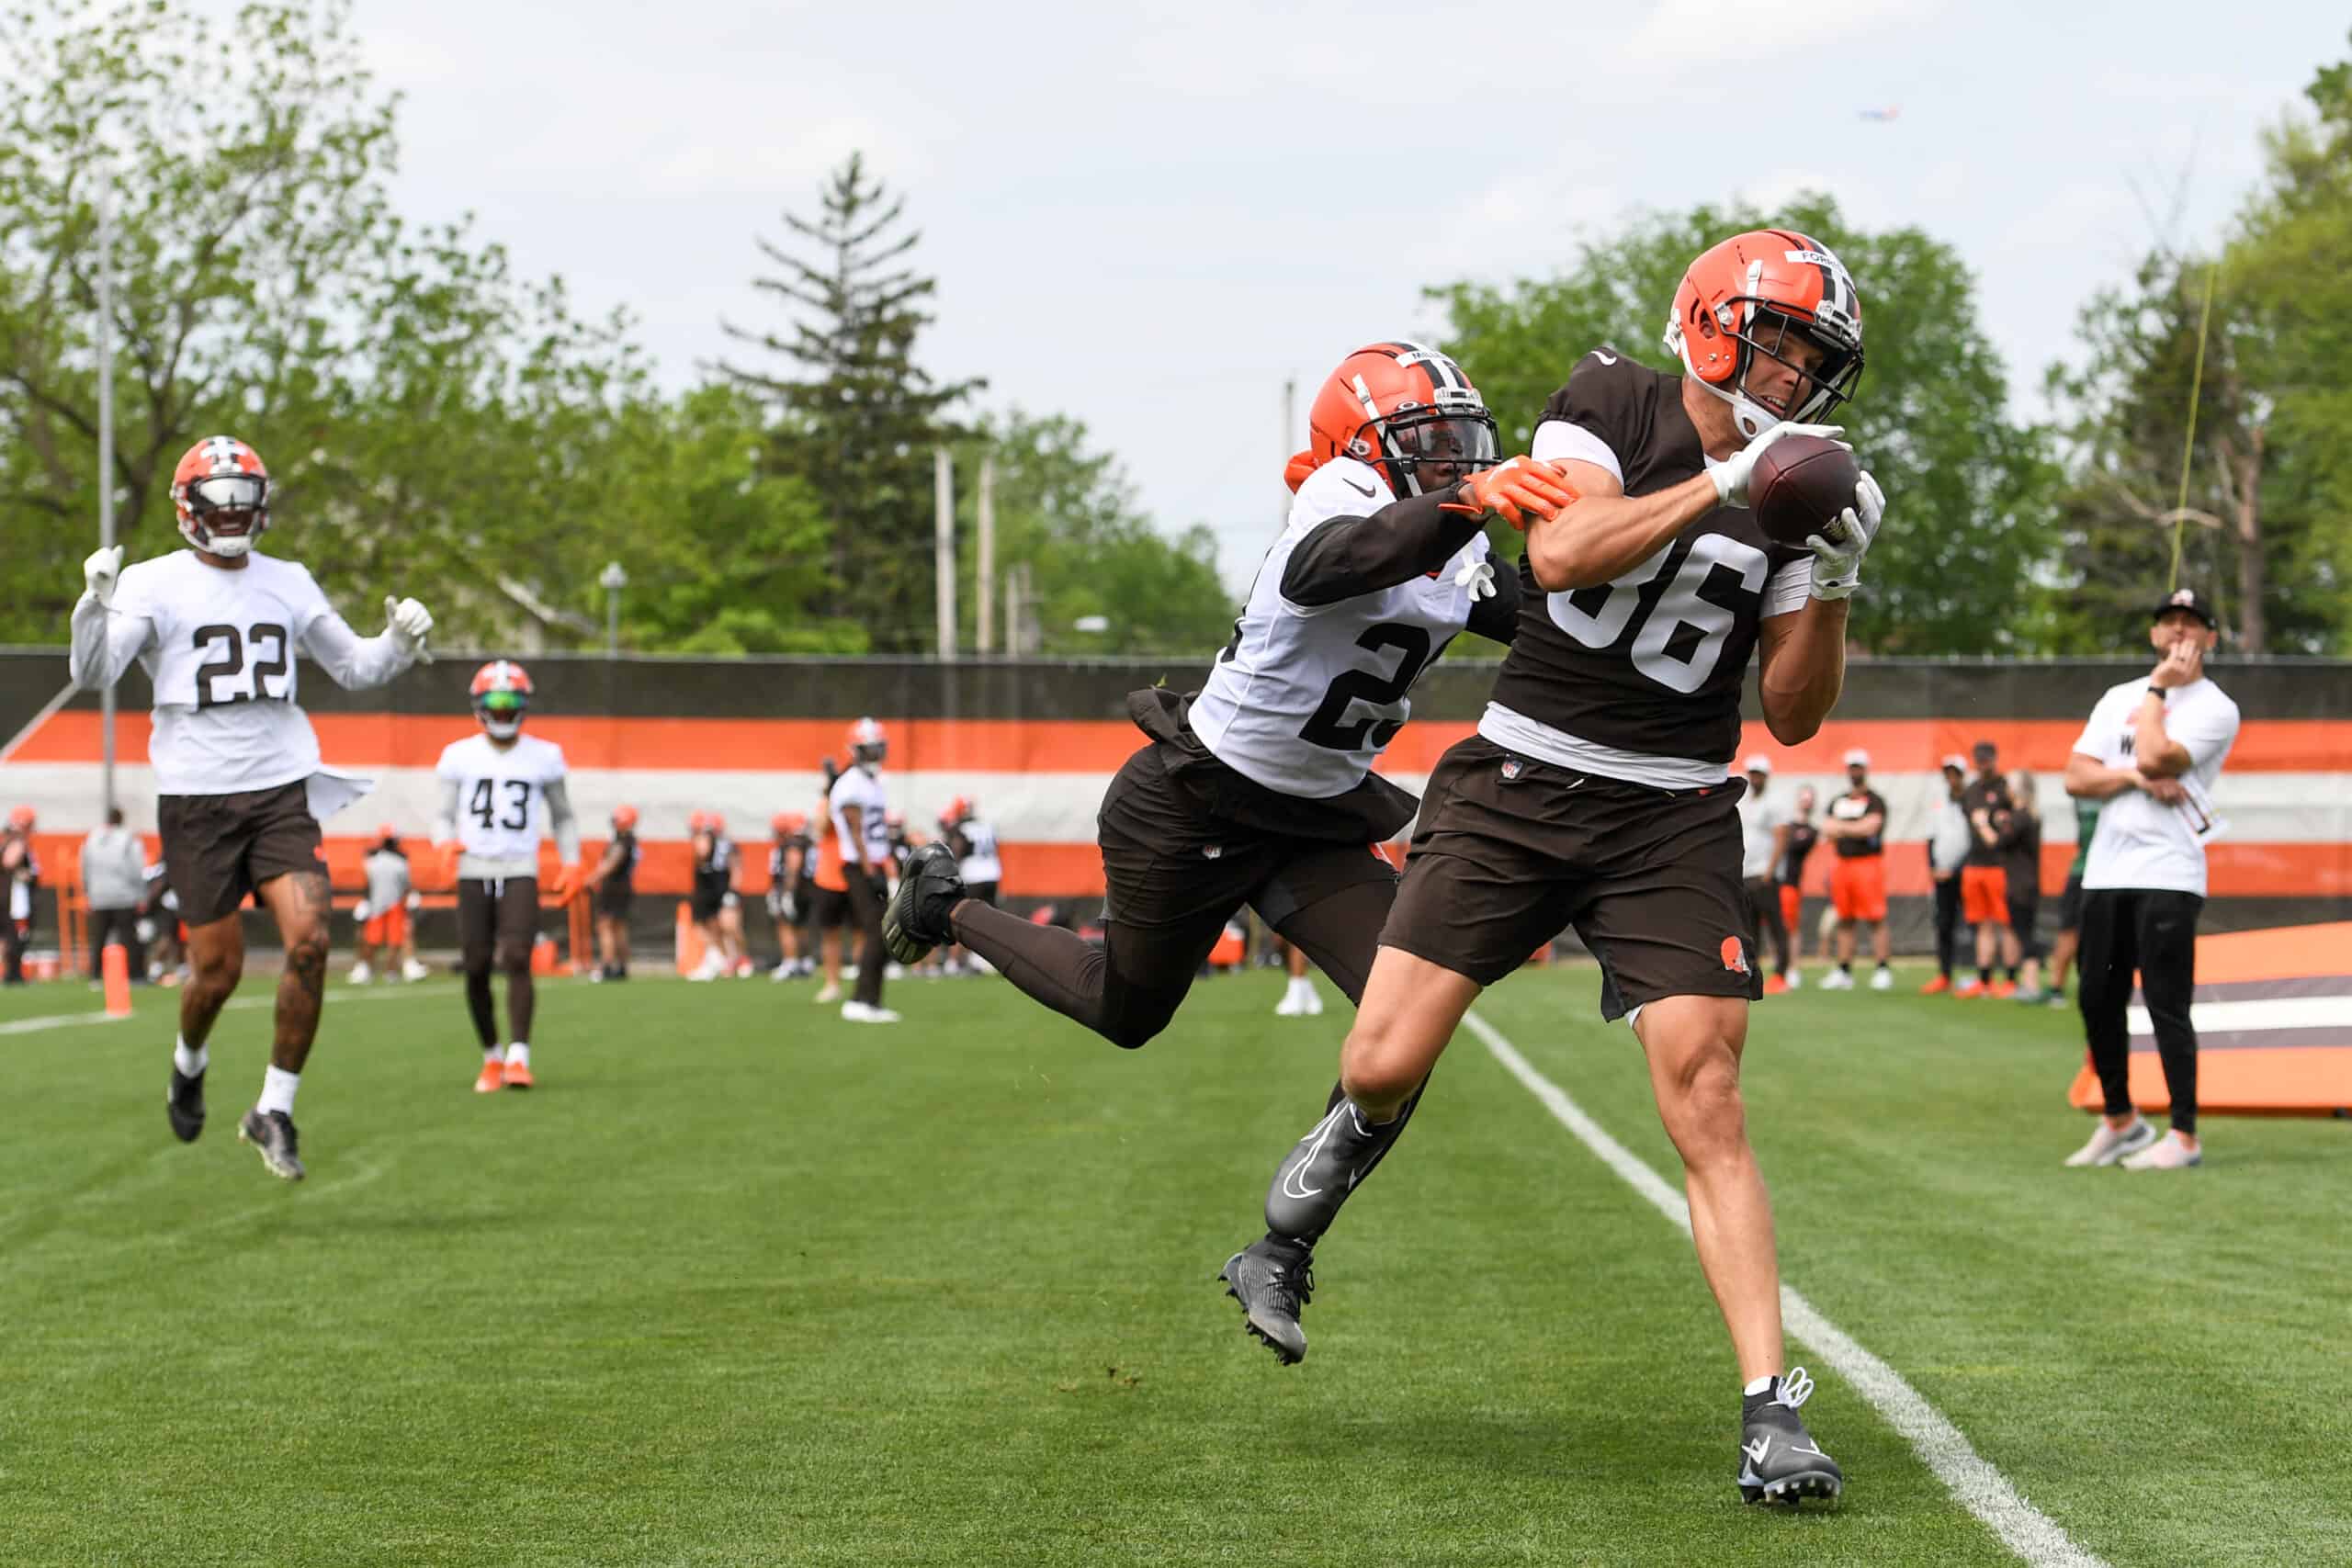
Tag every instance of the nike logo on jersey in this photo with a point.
(1359, 490)
(1604, 356)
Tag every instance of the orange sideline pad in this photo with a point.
(2302, 1080)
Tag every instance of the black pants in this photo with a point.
(116, 925)
(1764, 903)
(867, 896)
(1948, 926)
(498, 924)
(14, 940)
(2152, 931)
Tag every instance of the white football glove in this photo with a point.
(360, 913)
(1838, 550)
(1478, 577)
(408, 621)
(99, 572)
(1731, 475)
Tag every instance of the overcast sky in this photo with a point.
(1148, 216)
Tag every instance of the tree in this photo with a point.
(1071, 516)
(860, 423)
(414, 399)
(1967, 527)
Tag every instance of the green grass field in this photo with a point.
(740, 1283)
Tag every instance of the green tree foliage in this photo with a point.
(1070, 515)
(858, 420)
(1967, 525)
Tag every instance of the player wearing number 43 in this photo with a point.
(240, 789)
(1257, 789)
(497, 788)
(1597, 793)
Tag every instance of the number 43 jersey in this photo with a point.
(1305, 697)
(1640, 679)
(501, 799)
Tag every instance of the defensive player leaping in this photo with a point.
(1595, 792)
(1258, 789)
(496, 788)
(238, 777)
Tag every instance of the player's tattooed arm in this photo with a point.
(1344, 557)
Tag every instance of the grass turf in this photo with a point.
(742, 1283)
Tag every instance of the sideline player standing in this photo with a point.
(1856, 828)
(2153, 752)
(20, 872)
(383, 914)
(239, 784)
(1763, 844)
(855, 871)
(1597, 793)
(787, 858)
(1804, 837)
(497, 786)
(614, 880)
(1985, 876)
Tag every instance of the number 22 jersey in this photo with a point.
(218, 647)
(1639, 679)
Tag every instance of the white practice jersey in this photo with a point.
(219, 646)
(863, 789)
(2141, 841)
(501, 794)
(1303, 699)
(982, 864)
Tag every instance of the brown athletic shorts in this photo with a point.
(218, 848)
(1169, 860)
(1508, 851)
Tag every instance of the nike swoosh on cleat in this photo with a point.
(1756, 1450)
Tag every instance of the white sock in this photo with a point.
(1761, 1385)
(277, 1088)
(518, 1054)
(190, 1063)
(489, 1053)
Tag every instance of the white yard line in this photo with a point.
(1980, 1488)
(268, 998)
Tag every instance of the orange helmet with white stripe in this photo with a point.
(502, 691)
(1743, 299)
(221, 492)
(1406, 409)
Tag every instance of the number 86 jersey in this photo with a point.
(1308, 692)
(501, 795)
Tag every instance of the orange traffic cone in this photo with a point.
(689, 940)
(543, 956)
(114, 966)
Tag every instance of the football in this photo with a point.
(1799, 484)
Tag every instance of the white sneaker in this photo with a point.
(1881, 979)
(783, 972)
(894, 971)
(2167, 1153)
(831, 993)
(1310, 1001)
(2108, 1145)
(414, 970)
(860, 1012)
(361, 974)
(1837, 980)
(1795, 978)
(1288, 1006)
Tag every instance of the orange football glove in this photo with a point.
(567, 884)
(1518, 490)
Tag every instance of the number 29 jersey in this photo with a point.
(1305, 698)
(501, 794)
(1640, 679)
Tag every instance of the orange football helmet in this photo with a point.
(502, 691)
(1743, 297)
(785, 824)
(960, 811)
(221, 492)
(624, 819)
(21, 818)
(697, 821)
(1397, 406)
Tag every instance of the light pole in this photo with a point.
(612, 579)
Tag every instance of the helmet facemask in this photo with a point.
(500, 713)
(222, 515)
(1426, 449)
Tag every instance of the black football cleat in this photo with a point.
(184, 1106)
(915, 919)
(1779, 1460)
(271, 1132)
(1274, 1282)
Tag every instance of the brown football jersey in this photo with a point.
(1652, 662)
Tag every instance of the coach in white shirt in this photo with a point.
(2151, 751)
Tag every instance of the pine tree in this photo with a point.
(856, 417)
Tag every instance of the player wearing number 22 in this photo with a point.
(1597, 794)
(238, 777)
(498, 786)
(1257, 788)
